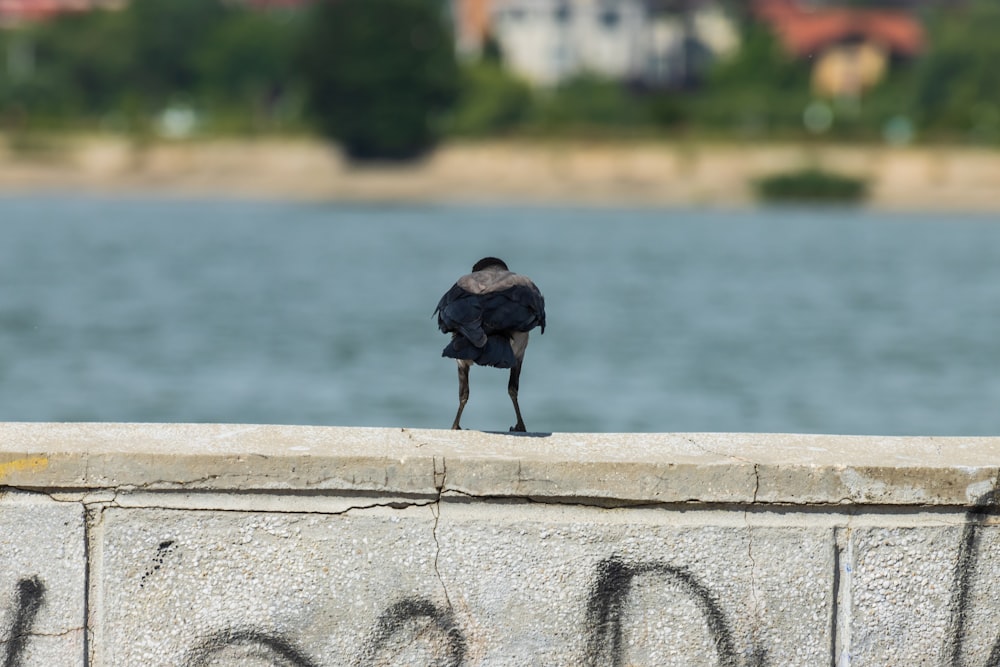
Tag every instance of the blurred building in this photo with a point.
(658, 43)
(13, 12)
(851, 48)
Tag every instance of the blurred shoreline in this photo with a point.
(546, 172)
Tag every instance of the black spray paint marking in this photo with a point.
(415, 616)
(166, 548)
(30, 597)
(235, 647)
(609, 598)
(965, 565)
(606, 616)
(411, 616)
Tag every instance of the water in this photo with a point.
(659, 320)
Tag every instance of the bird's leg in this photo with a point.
(515, 377)
(463, 391)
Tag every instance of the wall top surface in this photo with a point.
(605, 467)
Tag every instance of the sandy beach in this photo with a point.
(633, 173)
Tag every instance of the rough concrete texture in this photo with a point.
(305, 546)
(517, 584)
(43, 581)
(633, 467)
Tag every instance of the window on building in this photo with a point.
(561, 60)
(512, 14)
(610, 17)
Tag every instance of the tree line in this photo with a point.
(381, 78)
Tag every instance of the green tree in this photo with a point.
(492, 101)
(127, 65)
(246, 71)
(71, 65)
(379, 75)
(957, 83)
(84, 57)
(760, 87)
(588, 102)
(169, 37)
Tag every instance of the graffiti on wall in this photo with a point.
(239, 646)
(416, 626)
(418, 630)
(413, 625)
(609, 600)
(965, 636)
(29, 598)
(412, 621)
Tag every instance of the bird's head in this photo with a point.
(487, 262)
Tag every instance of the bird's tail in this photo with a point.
(497, 351)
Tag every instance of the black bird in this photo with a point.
(489, 313)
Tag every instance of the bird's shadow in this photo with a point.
(519, 434)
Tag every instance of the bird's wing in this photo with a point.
(462, 312)
(520, 307)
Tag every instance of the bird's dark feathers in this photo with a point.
(489, 261)
(484, 308)
(513, 309)
(461, 312)
(517, 308)
(497, 351)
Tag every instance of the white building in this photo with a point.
(547, 41)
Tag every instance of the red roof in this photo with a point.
(33, 10)
(804, 31)
(20, 10)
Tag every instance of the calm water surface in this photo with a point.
(659, 320)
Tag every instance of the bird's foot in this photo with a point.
(456, 427)
(518, 428)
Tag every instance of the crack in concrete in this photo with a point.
(104, 498)
(842, 600)
(394, 504)
(724, 455)
(561, 501)
(101, 505)
(99, 500)
(753, 563)
(439, 484)
(38, 633)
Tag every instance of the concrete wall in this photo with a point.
(300, 546)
